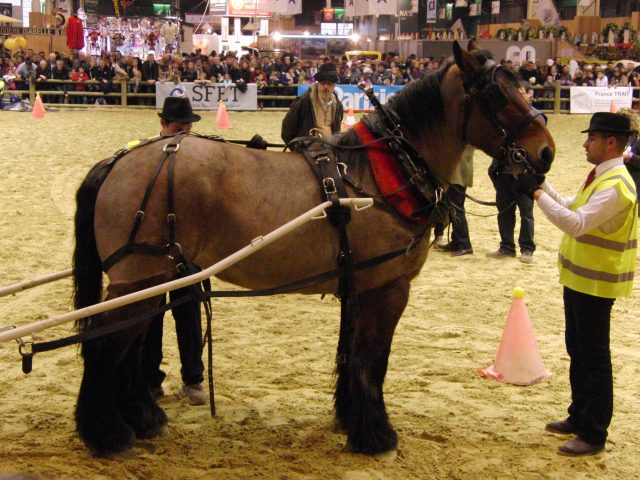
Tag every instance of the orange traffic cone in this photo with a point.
(612, 107)
(38, 108)
(350, 121)
(222, 118)
(518, 360)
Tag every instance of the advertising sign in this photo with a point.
(352, 97)
(206, 97)
(599, 99)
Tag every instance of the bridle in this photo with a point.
(484, 89)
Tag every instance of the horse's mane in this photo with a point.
(420, 103)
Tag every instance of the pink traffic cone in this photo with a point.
(518, 360)
(38, 108)
(222, 118)
(612, 107)
(350, 121)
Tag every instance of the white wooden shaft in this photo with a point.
(26, 284)
(254, 246)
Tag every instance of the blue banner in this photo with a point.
(352, 97)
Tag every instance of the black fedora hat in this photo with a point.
(327, 73)
(178, 109)
(607, 122)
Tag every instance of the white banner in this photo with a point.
(356, 8)
(495, 7)
(431, 11)
(284, 7)
(383, 7)
(206, 97)
(547, 13)
(224, 29)
(599, 99)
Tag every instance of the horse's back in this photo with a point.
(224, 197)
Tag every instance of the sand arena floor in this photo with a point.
(274, 356)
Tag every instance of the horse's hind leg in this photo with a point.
(108, 383)
(99, 421)
(138, 409)
(359, 399)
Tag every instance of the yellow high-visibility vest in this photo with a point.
(597, 263)
(136, 143)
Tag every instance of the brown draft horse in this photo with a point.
(226, 195)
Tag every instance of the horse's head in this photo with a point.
(496, 117)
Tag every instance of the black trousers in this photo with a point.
(587, 320)
(506, 192)
(459, 228)
(189, 333)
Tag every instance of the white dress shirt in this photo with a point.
(605, 209)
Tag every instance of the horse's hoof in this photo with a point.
(338, 427)
(384, 440)
(145, 418)
(108, 441)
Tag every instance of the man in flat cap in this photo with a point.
(318, 109)
(596, 260)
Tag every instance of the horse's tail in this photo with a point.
(87, 267)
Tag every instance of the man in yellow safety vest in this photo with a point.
(596, 260)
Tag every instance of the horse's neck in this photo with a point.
(440, 148)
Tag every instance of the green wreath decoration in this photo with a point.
(611, 27)
(534, 32)
(633, 33)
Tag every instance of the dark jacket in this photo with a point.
(62, 74)
(300, 118)
(149, 71)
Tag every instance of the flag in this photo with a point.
(431, 11)
(356, 8)
(475, 8)
(495, 7)
(283, 7)
(458, 29)
(383, 7)
(547, 13)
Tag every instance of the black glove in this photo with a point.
(526, 184)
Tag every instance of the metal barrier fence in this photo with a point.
(121, 93)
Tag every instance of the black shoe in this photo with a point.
(449, 247)
(561, 426)
(578, 447)
(462, 251)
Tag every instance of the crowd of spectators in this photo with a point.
(575, 73)
(104, 74)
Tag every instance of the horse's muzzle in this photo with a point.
(546, 155)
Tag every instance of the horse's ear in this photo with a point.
(473, 45)
(465, 61)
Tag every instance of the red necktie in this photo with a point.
(590, 177)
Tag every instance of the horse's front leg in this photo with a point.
(359, 399)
